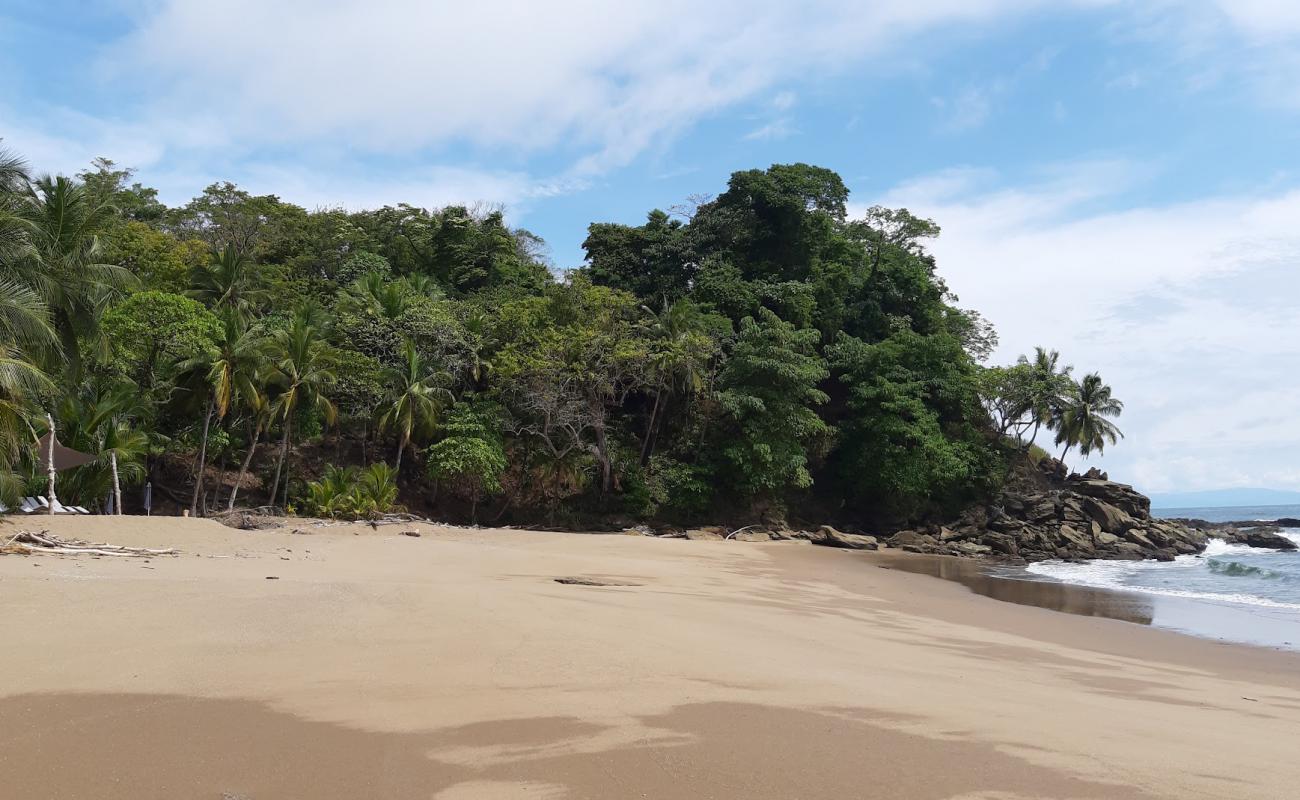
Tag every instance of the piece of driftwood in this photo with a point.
(44, 543)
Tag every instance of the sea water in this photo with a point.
(1225, 577)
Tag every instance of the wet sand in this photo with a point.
(1224, 622)
(454, 666)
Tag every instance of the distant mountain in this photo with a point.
(1214, 498)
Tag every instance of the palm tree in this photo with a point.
(377, 294)
(15, 228)
(22, 384)
(1049, 386)
(104, 423)
(301, 367)
(227, 283)
(680, 359)
(232, 370)
(478, 343)
(64, 267)
(416, 394)
(1083, 420)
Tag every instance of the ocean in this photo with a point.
(1233, 592)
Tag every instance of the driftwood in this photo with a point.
(44, 543)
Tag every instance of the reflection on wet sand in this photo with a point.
(982, 579)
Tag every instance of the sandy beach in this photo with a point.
(347, 662)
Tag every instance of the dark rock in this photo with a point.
(1259, 537)
(1077, 542)
(1109, 517)
(1119, 495)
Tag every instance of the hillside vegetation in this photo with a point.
(759, 354)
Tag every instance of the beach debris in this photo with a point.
(25, 543)
(581, 581)
(273, 577)
(416, 534)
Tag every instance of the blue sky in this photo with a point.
(1115, 179)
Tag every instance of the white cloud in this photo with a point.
(601, 80)
(780, 128)
(1182, 308)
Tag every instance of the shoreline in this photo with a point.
(453, 665)
(1201, 617)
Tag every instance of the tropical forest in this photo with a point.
(756, 354)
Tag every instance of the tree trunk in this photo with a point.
(117, 485)
(243, 469)
(401, 445)
(203, 458)
(602, 445)
(1034, 435)
(648, 445)
(284, 456)
(53, 498)
(279, 462)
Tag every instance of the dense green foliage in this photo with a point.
(763, 355)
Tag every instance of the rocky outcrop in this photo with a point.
(1067, 517)
(1264, 536)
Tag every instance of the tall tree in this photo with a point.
(1085, 418)
(417, 394)
(769, 393)
(227, 283)
(232, 370)
(301, 359)
(66, 268)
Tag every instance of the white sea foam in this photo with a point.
(1218, 547)
(1112, 575)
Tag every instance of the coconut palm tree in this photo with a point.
(300, 365)
(227, 283)
(1084, 417)
(417, 393)
(232, 370)
(65, 267)
(1049, 386)
(104, 422)
(679, 359)
(376, 293)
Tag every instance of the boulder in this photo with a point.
(1261, 537)
(706, 534)
(752, 536)
(1075, 541)
(949, 535)
(971, 549)
(1140, 539)
(916, 542)
(1001, 543)
(1126, 551)
(829, 537)
(1111, 518)
(1040, 508)
(1119, 495)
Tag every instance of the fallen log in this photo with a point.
(45, 543)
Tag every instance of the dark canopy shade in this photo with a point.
(64, 457)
